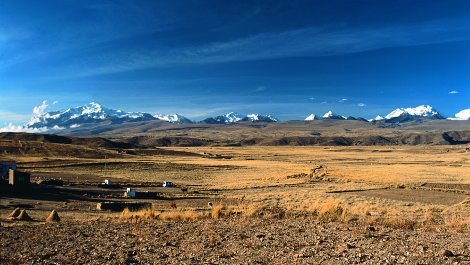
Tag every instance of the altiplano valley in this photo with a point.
(335, 202)
(235, 132)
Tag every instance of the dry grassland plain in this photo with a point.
(426, 184)
(371, 205)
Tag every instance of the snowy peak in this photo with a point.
(311, 117)
(409, 114)
(421, 111)
(91, 113)
(259, 118)
(173, 118)
(377, 118)
(331, 116)
(233, 117)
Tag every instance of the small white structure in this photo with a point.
(108, 182)
(130, 193)
(168, 184)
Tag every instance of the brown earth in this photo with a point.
(230, 241)
(416, 198)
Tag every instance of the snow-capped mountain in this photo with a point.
(463, 115)
(331, 116)
(93, 113)
(233, 117)
(89, 113)
(410, 114)
(259, 118)
(230, 117)
(377, 118)
(423, 112)
(173, 118)
(311, 117)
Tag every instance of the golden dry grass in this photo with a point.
(331, 210)
(257, 176)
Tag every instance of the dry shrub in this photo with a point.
(401, 222)
(431, 217)
(221, 211)
(263, 210)
(181, 216)
(149, 214)
(331, 210)
(141, 215)
(217, 211)
(456, 222)
(252, 210)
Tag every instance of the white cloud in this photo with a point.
(454, 92)
(311, 98)
(361, 105)
(55, 102)
(39, 110)
(20, 128)
(259, 89)
(342, 100)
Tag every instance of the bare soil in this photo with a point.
(230, 241)
(415, 195)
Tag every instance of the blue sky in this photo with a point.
(203, 58)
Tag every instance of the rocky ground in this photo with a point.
(227, 241)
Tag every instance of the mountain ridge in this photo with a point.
(97, 119)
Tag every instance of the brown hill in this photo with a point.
(50, 145)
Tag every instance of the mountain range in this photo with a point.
(94, 113)
(423, 112)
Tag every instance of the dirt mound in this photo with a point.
(53, 217)
(23, 216)
(14, 214)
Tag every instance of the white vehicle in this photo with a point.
(168, 184)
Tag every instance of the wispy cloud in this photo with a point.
(361, 105)
(453, 92)
(342, 100)
(259, 89)
(313, 41)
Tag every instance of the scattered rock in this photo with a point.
(261, 236)
(447, 253)
(346, 247)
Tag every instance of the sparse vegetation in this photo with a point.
(419, 192)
